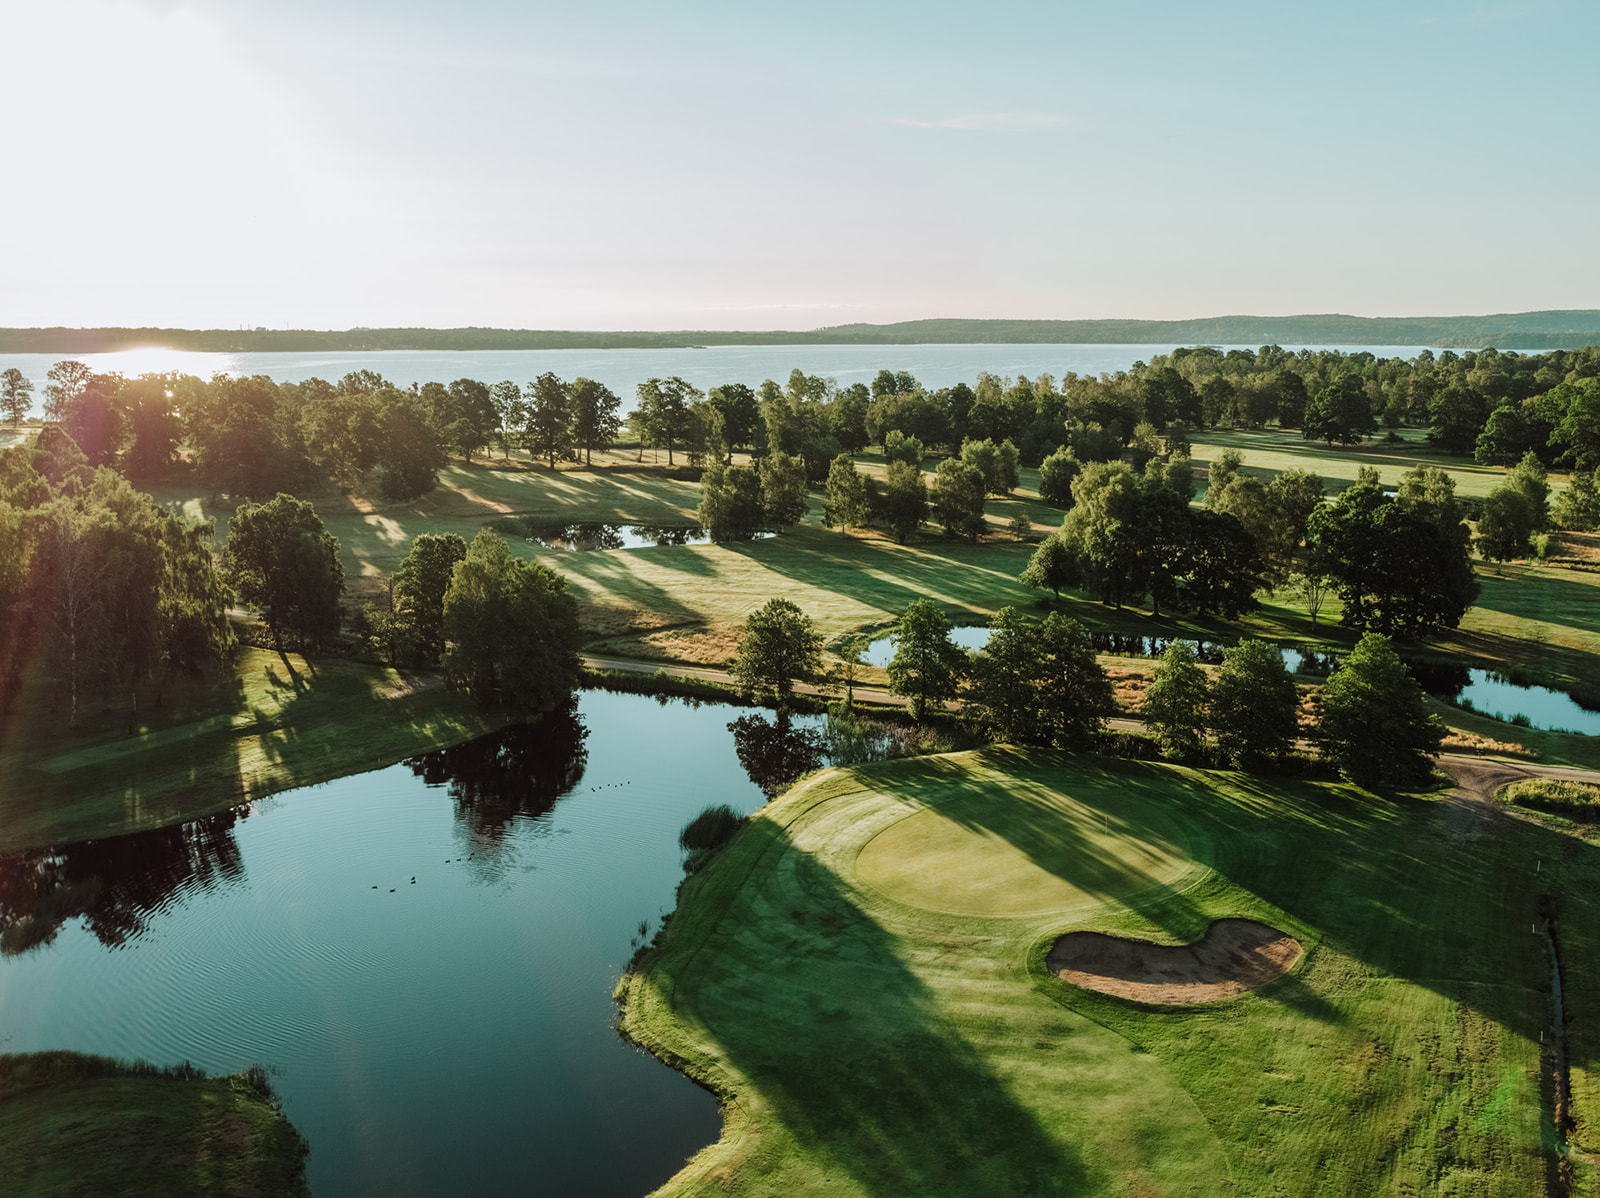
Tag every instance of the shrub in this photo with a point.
(1575, 800)
(711, 829)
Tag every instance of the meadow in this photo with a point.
(860, 975)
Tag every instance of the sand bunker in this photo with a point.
(1233, 956)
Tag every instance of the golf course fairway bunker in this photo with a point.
(1235, 955)
(1025, 851)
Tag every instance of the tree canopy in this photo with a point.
(779, 647)
(510, 629)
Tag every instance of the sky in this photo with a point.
(630, 165)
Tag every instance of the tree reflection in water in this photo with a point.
(775, 754)
(518, 772)
(114, 884)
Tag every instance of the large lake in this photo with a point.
(451, 1035)
(623, 369)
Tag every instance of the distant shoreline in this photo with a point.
(1566, 329)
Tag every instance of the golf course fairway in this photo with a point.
(861, 976)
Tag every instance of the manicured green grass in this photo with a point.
(1268, 452)
(273, 726)
(887, 1026)
(77, 1125)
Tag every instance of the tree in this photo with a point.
(996, 464)
(897, 447)
(1374, 724)
(1102, 531)
(740, 413)
(1339, 412)
(927, 667)
(16, 394)
(94, 419)
(473, 416)
(549, 427)
(416, 596)
(152, 419)
(1056, 473)
(730, 503)
(596, 417)
(1395, 570)
(783, 489)
(1074, 693)
(779, 647)
(510, 412)
(1254, 704)
(408, 452)
(663, 412)
(1577, 432)
(958, 499)
(1458, 415)
(903, 505)
(846, 505)
(511, 630)
(67, 381)
(281, 559)
(1051, 567)
(1005, 680)
(1578, 507)
(1175, 702)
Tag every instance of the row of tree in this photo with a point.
(115, 591)
(1040, 683)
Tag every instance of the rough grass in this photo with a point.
(274, 725)
(79, 1125)
(1575, 800)
(866, 1045)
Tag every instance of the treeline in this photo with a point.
(1547, 329)
(115, 591)
(1039, 682)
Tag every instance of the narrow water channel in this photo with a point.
(451, 1034)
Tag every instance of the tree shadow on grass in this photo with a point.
(805, 995)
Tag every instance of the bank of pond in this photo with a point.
(1486, 692)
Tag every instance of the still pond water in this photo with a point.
(447, 1035)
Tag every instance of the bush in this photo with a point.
(711, 829)
(1575, 800)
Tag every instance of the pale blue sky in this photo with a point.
(720, 165)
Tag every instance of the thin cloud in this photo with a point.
(1004, 122)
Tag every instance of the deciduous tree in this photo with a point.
(927, 667)
(1254, 705)
(1175, 701)
(280, 558)
(779, 647)
(511, 630)
(1374, 724)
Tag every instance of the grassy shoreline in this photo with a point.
(926, 1050)
(279, 724)
(77, 1124)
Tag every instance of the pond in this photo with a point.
(424, 956)
(975, 637)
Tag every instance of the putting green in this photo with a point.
(1025, 852)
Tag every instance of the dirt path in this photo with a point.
(1470, 809)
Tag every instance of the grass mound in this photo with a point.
(1575, 800)
(76, 1124)
(926, 1048)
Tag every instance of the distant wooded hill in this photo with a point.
(1515, 330)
